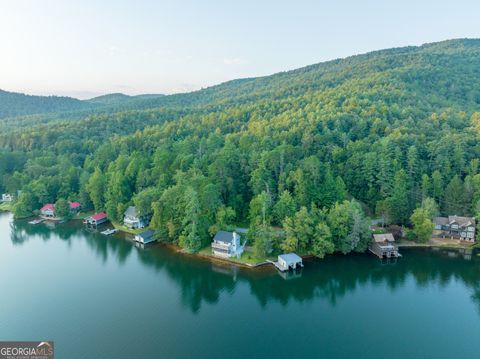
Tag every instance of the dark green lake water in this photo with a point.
(99, 297)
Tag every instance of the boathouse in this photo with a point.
(96, 219)
(134, 220)
(289, 261)
(383, 246)
(227, 244)
(145, 237)
(75, 207)
(48, 210)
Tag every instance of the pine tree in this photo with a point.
(398, 202)
(285, 207)
(455, 197)
(322, 242)
(96, 189)
(190, 238)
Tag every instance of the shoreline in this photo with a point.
(435, 244)
(438, 243)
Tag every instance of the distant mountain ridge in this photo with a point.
(416, 67)
(119, 98)
(17, 104)
(13, 104)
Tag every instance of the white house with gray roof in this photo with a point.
(227, 245)
(134, 220)
(6, 197)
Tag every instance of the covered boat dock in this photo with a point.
(288, 261)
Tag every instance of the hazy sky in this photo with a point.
(85, 48)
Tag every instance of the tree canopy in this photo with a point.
(311, 150)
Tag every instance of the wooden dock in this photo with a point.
(109, 232)
(36, 221)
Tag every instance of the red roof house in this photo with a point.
(48, 210)
(48, 207)
(96, 218)
(75, 207)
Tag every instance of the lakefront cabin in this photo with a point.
(133, 220)
(96, 219)
(7, 197)
(48, 210)
(227, 245)
(145, 237)
(383, 246)
(75, 207)
(455, 227)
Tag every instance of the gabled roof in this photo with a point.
(75, 205)
(224, 236)
(147, 234)
(98, 216)
(462, 221)
(48, 207)
(131, 212)
(384, 237)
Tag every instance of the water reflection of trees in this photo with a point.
(105, 248)
(330, 279)
(199, 281)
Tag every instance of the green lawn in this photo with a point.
(122, 228)
(82, 215)
(247, 258)
(6, 206)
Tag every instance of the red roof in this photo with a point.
(75, 205)
(98, 216)
(48, 207)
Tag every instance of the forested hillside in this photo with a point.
(16, 104)
(311, 150)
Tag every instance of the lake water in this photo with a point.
(101, 297)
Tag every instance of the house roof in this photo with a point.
(98, 216)
(383, 237)
(290, 258)
(147, 234)
(48, 207)
(440, 221)
(224, 236)
(462, 221)
(131, 211)
(74, 205)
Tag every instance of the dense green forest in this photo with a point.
(15, 104)
(35, 109)
(314, 151)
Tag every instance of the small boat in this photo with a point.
(36, 221)
(109, 232)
